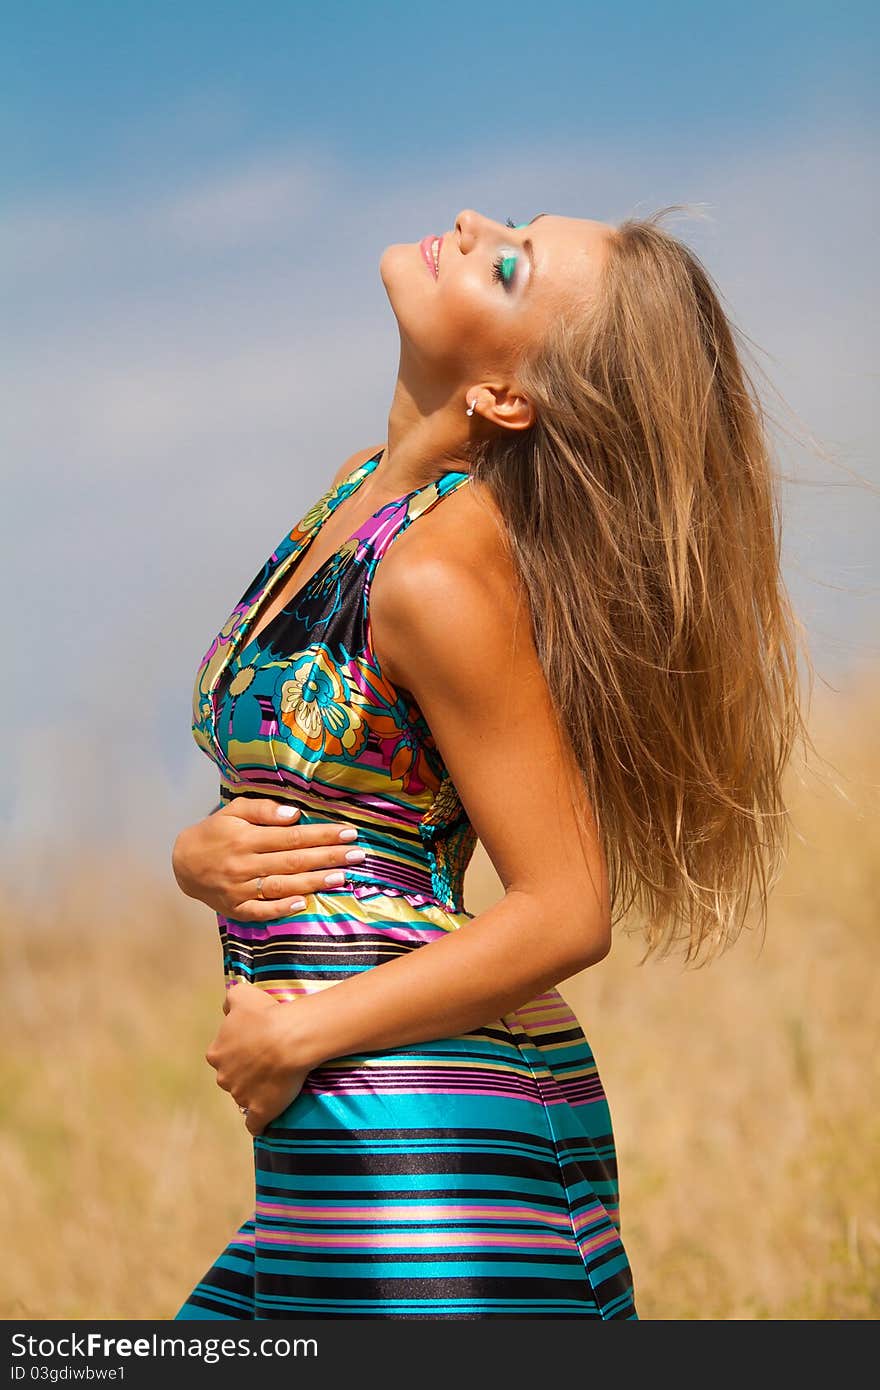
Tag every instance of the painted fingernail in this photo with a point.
(356, 856)
(335, 879)
(297, 904)
(350, 834)
(287, 812)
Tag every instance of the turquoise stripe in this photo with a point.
(433, 1307)
(404, 1111)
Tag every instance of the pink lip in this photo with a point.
(425, 248)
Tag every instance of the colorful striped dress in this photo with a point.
(464, 1177)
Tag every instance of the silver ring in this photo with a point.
(259, 888)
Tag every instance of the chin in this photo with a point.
(396, 261)
(398, 265)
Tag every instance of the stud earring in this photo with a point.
(470, 409)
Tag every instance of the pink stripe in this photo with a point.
(599, 1242)
(545, 1010)
(588, 1084)
(595, 1212)
(383, 532)
(377, 1240)
(316, 931)
(468, 1211)
(352, 1090)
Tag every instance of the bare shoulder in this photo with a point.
(455, 553)
(354, 462)
(452, 627)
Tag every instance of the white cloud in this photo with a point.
(242, 208)
(245, 205)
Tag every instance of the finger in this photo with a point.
(266, 909)
(295, 863)
(272, 838)
(262, 810)
(248, 996)
(304, 884)
(232, 985)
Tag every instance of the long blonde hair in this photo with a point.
(642, 517)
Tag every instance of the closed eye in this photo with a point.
(504, 266)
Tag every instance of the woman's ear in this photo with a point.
(502, 406)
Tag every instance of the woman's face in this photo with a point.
(495, 292)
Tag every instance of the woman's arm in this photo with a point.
(459, 643)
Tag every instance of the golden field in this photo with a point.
(744, 1094)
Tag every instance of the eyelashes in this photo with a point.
(504, 266)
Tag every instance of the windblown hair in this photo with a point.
(642, 517)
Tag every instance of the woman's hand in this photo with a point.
(251, 1055)
(220, 860)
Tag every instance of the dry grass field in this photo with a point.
(744, 1094)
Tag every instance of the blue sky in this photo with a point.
(193, 202)
(95, 92)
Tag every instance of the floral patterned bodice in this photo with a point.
(303, 711)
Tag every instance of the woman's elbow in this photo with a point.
(595, 943)
(589, 938)
(575, 939)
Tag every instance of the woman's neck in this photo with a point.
(421, 446)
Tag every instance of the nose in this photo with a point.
(466, 224)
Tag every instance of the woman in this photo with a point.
(584, 655)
